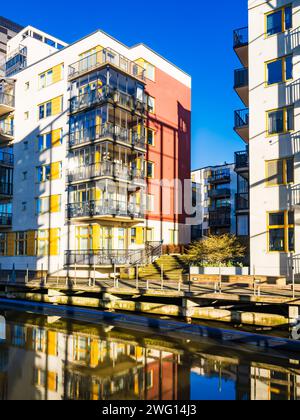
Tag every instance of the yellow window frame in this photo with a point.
(286, 228)
(285, 181)
(283, 70)
(285, 128)
(80, 236)
(283, 28)
(43, 239)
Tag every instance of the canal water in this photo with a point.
(51, 358)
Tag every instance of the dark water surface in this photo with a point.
(51, 358)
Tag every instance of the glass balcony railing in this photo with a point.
(7, 99)
(241, 160)
(103, 58)
(105, 208)
(221, 176)
(219, 218)
(242, 201)
(219, 192)
(6, 158)
(6, 129)
(106, 131)
(240, 37)
(5, 219)
(241, 78)
(6, 188)
(241, 118)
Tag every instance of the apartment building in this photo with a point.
(269, 51)
(97, 126)
(214, 196)
(8, 30)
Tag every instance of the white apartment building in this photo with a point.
(270, 50)
(90, 141)
(214, 196)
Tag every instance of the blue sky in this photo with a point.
(195, 35)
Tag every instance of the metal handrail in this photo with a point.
(104, 208)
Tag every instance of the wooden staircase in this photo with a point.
(172, 266)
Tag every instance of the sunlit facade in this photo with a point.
(97, 126)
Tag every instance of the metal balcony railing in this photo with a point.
(103, 95)
(242, 201)
(106, 131)
(219, 192)
(240, 37)
(106, 56)
(219, 218)
(6, 188)
(109, 257)
(105, 208)
(241, 118)
(6, 158)
(102, 169)
(241, 159)
(220, 176)
(241, 78)
(219, 208)
(5, 219)
(7, 99)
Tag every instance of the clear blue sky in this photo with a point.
(195, 35)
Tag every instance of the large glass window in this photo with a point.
(279, 70)
(243, 225)
(281, 230)
(279, 20)
(281, 121)
(21, 243)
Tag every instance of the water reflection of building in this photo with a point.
(43, 361)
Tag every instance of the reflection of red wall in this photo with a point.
(172, 150)
(168, 383)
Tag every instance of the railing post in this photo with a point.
(162, 277)
(137, 277)
(94, 274)
(75, 279)
(27, 275)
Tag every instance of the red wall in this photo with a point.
(172, 150)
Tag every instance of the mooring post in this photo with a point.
(137, 277)
(162, 277)
(94, 275)
(27, 274)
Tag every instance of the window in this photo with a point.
(151, 104)
(279, 70)
(27, 86)
(150, 169)
(49, 42)
(279, 20)
(3, 243)
(281, 231)
(21, 243)
(25, 145)
(43, 242)
(280, 121)
(50, 108)
(280, 172)
(149, 234)
(26, 115)
(133, 236)
(150, 202)
(49, 172)
(24, 205)
(243, 225)
(84, 238)
(46, 79)
(25, 175)
(173, 236)
(150, 137)
(50, 204)
(45, 141)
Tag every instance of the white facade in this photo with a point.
(270, 255)
(28, 158)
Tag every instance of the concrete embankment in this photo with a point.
(188, 309)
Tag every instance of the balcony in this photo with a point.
(241, 85)
(219, 193)
(242, 202)
(7, 103)
(241, 124)
(6, 159)
(104, 170)
(240, 44)
(219, 208)
(220, 218)
(220, 177)
(107, 131)
(242, 163)
(6, 133)
(105, 209)
(103, 58)
(6, 190)
(104, 95)
(5, 220)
